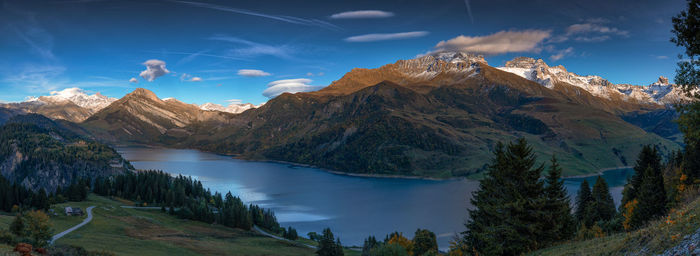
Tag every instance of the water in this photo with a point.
(311, 199)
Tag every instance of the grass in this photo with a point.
(655, 238)
(151, 232)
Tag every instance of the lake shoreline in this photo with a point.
(361, 175)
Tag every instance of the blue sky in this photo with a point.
(100, 46)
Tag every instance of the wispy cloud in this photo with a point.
(498, 43)
(154, 69)
(278, 87)
(133, 80)
(384, 37)
(362, 14)
(37, 78)
(592, 30)
(254, 49)
(252, 73)
(560, 54)
(282, 18)
(469, 10)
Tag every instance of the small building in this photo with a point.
(77, 212)
(69, 211)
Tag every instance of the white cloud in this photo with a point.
(234, 101)
(133, 80)
(386, 36)
(278, 87)
(252, 73)
(154, 69)
(254, 49)
(562, 53)
(498, 43)
(593, 30)
(196, 79)
(362, 14)
(309, 74)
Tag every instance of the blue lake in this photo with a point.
(311, 199)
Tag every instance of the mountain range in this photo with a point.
(434, 116)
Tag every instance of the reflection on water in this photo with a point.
(310, 199)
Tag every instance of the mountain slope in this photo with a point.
(142, 117)
(436, 116)
(441, 122)
(40, 153)
(71, 104)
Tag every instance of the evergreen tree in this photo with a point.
(603, 206)
(508, 218)
(17, 226)
(424, 242)
(584, 199)
(560, 224)
(652, 196)
(369, 244)
(327, 245)
(648, 157)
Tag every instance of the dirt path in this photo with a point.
(85, 221)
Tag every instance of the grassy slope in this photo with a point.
(150, 232)
(655, 238)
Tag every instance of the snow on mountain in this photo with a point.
(429, 66)
(231, 108)
(660, 92)
(92, 102)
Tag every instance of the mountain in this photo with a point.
(71, 104)
(233, 108)
(435, 116)
(142, 117)
(659, 92)
(41, 153)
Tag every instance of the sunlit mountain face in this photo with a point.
(230, 54)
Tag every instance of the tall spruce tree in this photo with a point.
(652, 196)
(561, 224)
(603, 206)
(507, 218)
(327, 245)
(648, 157)
(584, 199)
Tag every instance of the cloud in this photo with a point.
(469, 10)
(36, 78)
(283, 18)
(383, 37)
(593, 30)
(562, 53)
(133, 80)
(278, 87)
(234, 101)
(254, 49)
(154, 69)
(660, 57)
(252, 73)
(189, 78)
(498, 43)
(195, 79)
(362, 14)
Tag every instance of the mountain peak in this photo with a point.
(662, 81)
(144, 93)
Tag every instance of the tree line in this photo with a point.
(187, 199)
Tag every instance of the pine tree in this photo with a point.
(652, 196)
(584, 199)
(17, 226)
(648, 157)
(327, 245)
(603, 206)
(369, 244)
(560, 224)
(507, 218)
(424, 241)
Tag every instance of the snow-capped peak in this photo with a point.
(231, 108)
(78, 96)
(427, 67)
(660, 92)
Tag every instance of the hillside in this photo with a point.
(434, 116)
(678, 234)
(41, 153)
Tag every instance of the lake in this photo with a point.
(310, 199)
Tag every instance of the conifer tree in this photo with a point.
(652, 196)
(584, 199)
(507, 218)
(327, 245)
(603, 206)
(648, 157)
(560, 223)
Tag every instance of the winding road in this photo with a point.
(85, 221)
(259, 230)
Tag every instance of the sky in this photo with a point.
(248, 51)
